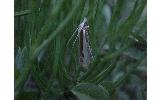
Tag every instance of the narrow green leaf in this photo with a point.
(56, 32)
(121, 80)
(101, 76)
(86, 91)
(24, 76)
(22, 13)
(127, 27)
(109, 86)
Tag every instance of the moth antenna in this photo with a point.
(75, 40)
(72, 36)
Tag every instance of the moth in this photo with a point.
(85, 51)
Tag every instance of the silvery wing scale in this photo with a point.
(85, 51)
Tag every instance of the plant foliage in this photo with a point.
(47, 69)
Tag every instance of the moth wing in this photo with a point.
(89, 49)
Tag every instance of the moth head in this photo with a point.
(85, 22)
(84, 25)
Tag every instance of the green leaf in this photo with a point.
(101, 76)
(87, 91)
(121, 80)
(22, 13)
(109, 86)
